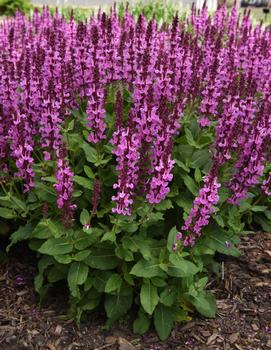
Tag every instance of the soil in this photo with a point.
(243, 322)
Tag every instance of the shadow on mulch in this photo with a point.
(243, 321)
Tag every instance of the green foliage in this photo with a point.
(114, 261)
(9, 7)
(161, 11)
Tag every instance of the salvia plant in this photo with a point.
(131, 153)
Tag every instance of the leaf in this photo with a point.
(19, 204)
(190, 184)
(82, 255)
(63, 259)
(77, 275)
(164, 205)
(42, 230)
(147, 269)
(99, 279)
(259, 208)
(113, 283)
(56, 246)
(180, 267)
(201, 283)
(163, 320)
(197, 175)
(204, 303)
(83, 181)
(168, 296)
(181, 165)
(90, 152)
(189, 138)
(171, 238)
(88, 171)
(43, 263)
(185, 202)
(84, 217)
(149, 297)
(200, 158)
(55, 275)
(116, 306)
(124, 254)
(265, 223)
(91, 301)
(23, 233)
(184, 152)
(50, 179)
(158, 282)
(7, 213)
(103, 259)
(218, 241)
(141, 324)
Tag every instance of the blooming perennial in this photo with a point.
(221, 66)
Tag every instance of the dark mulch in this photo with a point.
(243, 321)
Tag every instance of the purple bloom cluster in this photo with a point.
(64, 188)
(266, 186)
(221, 68)
(203, 208)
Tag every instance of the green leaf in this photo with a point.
(55, 275)
(124, 254)
(163, 320)
(158, 282)
(171, 238)
(113, 283)
(180, 267)
(219, 220)
(43, 263)
(42, 230)
(70, 125)
(190, 184)
(189, 138)
(141, 324)
(259, 208)
(23, 233)
(185, 202)
(63, 259)
(90, 152)
(99, 279)
(102, 259)
(82, 255)
(84, 217)
(146, 269)
(19, 204)
(56, 246)
(88, 171)
(77, 275)
(265, 223)
(116, 306)
(91, 301)
(109, 236)
(168, 296)
(200, 158)
(204, 303)
(198, 176)
(149, 297)
(7, 213)
(164, 205)
(83, 181)
(50, 179)
(201, 283)
(181, 165)
(218, 240)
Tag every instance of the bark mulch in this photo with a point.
(243, 321)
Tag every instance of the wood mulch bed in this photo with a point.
(243, 322)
